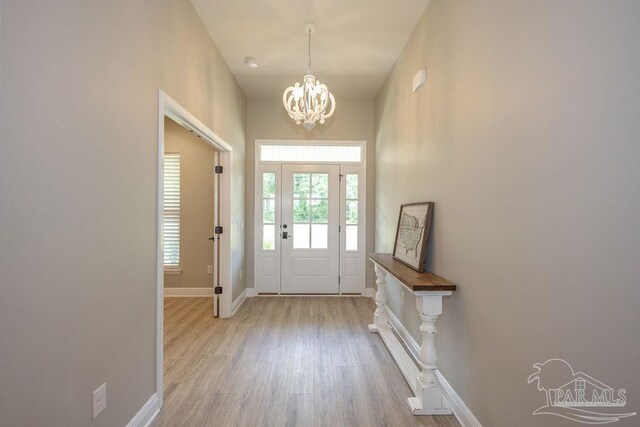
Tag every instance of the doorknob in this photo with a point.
(286, 235)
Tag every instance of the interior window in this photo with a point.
(171, 229)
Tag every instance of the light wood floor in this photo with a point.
(294, 361)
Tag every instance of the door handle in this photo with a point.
(286, 235)
(213, 238)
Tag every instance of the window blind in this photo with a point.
(171, 229)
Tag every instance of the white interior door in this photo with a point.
(309, 233)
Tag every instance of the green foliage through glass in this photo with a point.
(320, 185)
(352, 186)
(301, 211)
(269, 211)
(269, 185)
(301, 185)
(320, 211)
(352, 212)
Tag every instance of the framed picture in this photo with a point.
(412, 235)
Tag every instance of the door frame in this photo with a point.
(345, 167)
(167, 107)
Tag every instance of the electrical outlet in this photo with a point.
(99, 400)
(209, 269)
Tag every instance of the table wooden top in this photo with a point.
(410, 278)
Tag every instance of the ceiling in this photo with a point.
(353, 49)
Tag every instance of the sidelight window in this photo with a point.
(268, 211)
(351, 212)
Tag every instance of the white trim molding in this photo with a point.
(188, 292)
(267, 295)
(271, 283)
(147, 413)
(238, 302)
(460, 410)
(167, 107)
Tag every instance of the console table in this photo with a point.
(428, 290)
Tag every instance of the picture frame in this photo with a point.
(412, 234)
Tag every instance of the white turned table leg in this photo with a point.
(380, 317)
(429, 400)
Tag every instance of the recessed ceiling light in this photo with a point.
(250, 62)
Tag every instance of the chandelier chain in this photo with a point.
(309, 50)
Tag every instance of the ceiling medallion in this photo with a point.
(308, 103)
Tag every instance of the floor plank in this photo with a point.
(293, 361)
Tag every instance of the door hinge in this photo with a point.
(338, 280)
(339, 229)
(217, 169)
(341, 175)
(217, 290)
(217, 229)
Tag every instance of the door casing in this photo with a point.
(355, 286)
(167, 107)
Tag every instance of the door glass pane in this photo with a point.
(352, 212)
(319, 236)
(352, 238)
(269, 210)
(319, 185)
(301, 211)
(268, 237)
(269, 185)
(352, 186)
(320, 211)
(301, 185)
(300, 236)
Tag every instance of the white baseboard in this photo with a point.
(368, 292)
(188, 292)
(238, 302)
(147, 413)
(460, 410)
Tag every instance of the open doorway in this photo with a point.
(190, 241)
(220, 246)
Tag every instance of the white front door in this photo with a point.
(309, 233)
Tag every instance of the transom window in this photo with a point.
(310, 153)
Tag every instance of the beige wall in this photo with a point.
(267, 119)
(197, 159)
(526, 138)
(78, 173)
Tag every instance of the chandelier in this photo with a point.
(308, 103)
